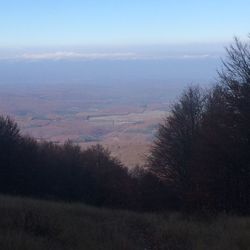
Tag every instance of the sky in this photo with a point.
(117, 40)
(48, 23)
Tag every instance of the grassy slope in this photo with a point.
(31, 224)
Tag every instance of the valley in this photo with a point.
(122, 119)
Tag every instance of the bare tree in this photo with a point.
(236, 66)
(235, 81)
(171, 152)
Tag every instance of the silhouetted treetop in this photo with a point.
(8, 129)
(236, 66)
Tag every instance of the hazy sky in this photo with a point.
(121, 22)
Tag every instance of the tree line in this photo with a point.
(199, 160)
(66, 172)
(202, 149)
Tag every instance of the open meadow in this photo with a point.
(38, 225)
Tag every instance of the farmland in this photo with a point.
(122, 119)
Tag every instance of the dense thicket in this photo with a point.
(66, 172)
(59, 172)
(203, 148)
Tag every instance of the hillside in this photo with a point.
(33, 224)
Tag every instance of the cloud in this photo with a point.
(106, 56)
(64, 55)
(196, 56)
(88, 56)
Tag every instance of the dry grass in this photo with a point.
(37, 225)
